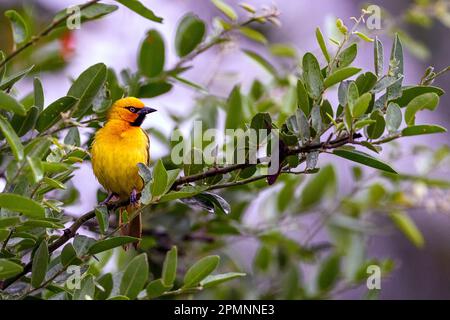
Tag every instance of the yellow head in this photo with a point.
(129, 109)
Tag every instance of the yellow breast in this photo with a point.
(116, 151)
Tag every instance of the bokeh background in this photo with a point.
(114, 40)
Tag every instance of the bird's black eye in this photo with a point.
(132, 109)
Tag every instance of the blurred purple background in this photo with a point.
(115, 39)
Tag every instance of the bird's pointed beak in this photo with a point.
(146, 110)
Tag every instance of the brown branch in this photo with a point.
(72, 230)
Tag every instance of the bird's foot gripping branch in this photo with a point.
(326, 109)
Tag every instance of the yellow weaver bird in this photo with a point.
(117, 149)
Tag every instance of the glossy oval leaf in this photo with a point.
(312, 76)
(104, 245)
(340, 75)
(422, 129)
(169, 270)
(190, 33)
(409, 93)
(152, 54)
(393, 117)
(19, 203)
(140, 9)
(52, 114)
(156, 288)
(9, 269)
(363, 158)
(428, 101)
(86, 87)
(12, 139)
(135, 276)
(361, 105)
(40, 264)
(8, 103)
(200, 270)
(19, 27)
(213, 280)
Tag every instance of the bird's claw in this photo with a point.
(133, 198)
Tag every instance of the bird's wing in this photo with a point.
(147, 162)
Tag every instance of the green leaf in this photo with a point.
(283, 50)
(225, 8)
(9, 221)
(316, 188)
(340, 75)
(215, 201)
(19, 27)
(154, 89)
(200, 270)
(156, 288)
(11, 80)
(378, 57)
(302, 98)
(160, 179)
(52, 114)
(8, 103)
(396, 65)
(152, 54)
(9, 269)
(363, 158)
(352, 96)
(393, 117)
(262, 62)
(92, 12)
(140, 9)
(169, 270)
(365, 82)
(144, 172)
(363, 36)
(119, 298)
(135, 276)
(361, 105)
(38, 94)
(299, 125)
(312, 76)
(82, 244)
(101, 213)
(86, 87)
(407, 226)
(69, 256)
(422, 129)
(107, 283)
(36, 168)
(110, 243)
(12, 139)
(234, 109)
(40, 223)
(322, 45)
(18, 203)
(347, 56)
(328, 273)
(410, 93)
(374, 131)
(23, 124)
(40, 264)
(253, 35)
(428, 101)
(87, 289)
(216, 279)
(190, 33)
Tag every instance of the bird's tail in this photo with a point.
(134, 226)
